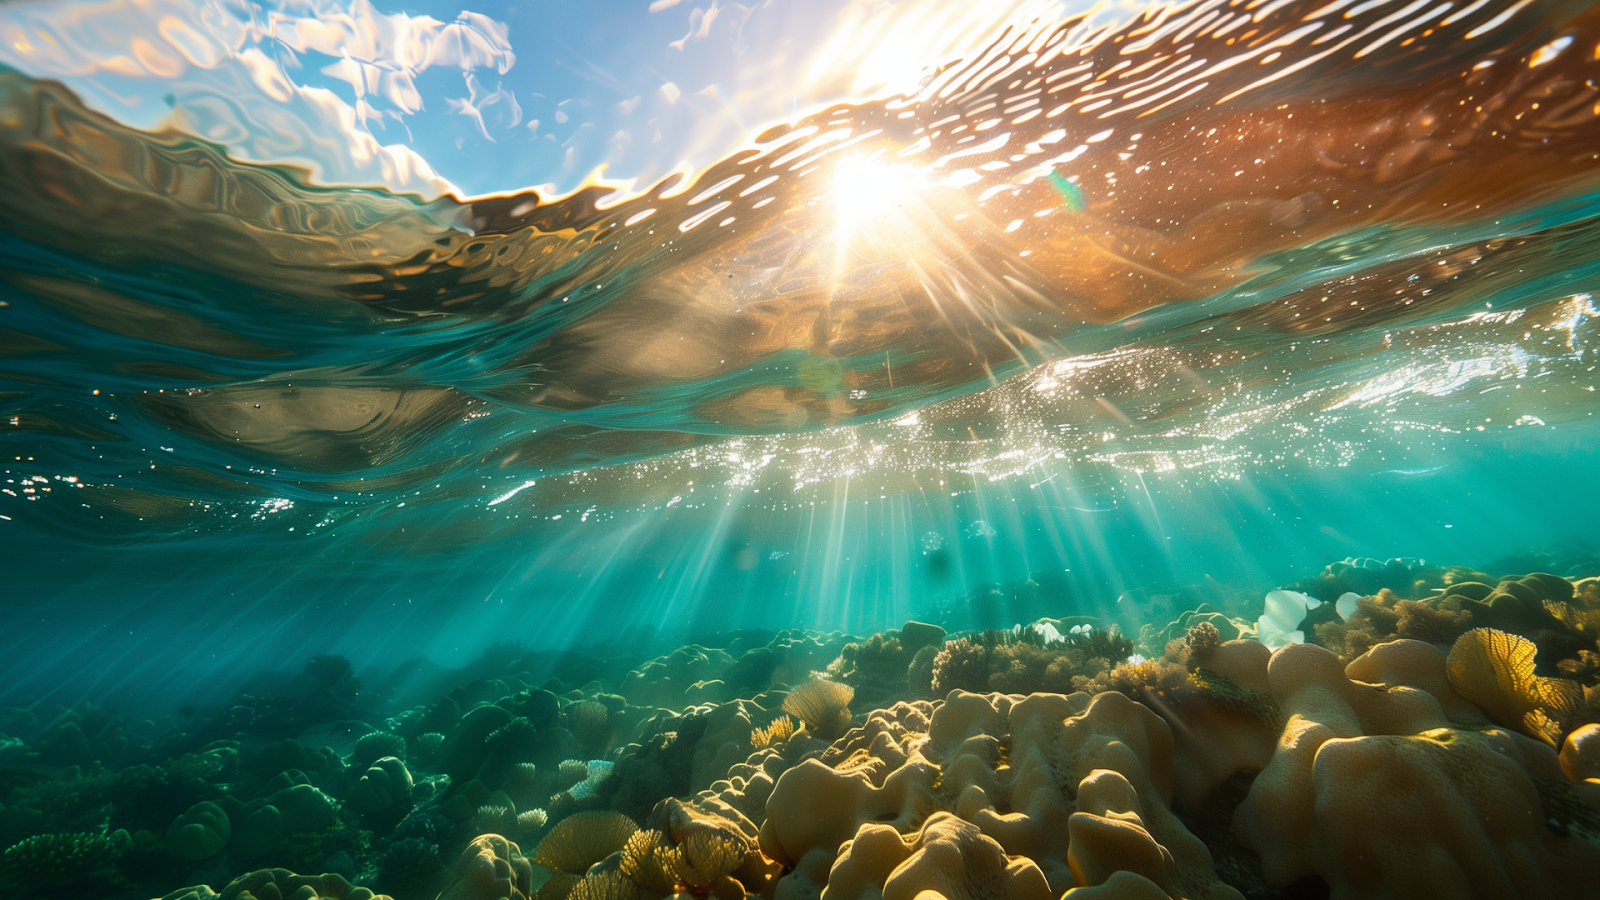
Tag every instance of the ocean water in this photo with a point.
(1069, 315)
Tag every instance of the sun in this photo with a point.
(869, 197)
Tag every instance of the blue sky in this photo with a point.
(493, 96)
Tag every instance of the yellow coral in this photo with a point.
(582, 840)
(1494, 669)
(776, 733)
(823, 705)
(644, 860)
(609, 885)
(705, 856)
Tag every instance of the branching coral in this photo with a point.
(1024, 661)
(59, 863)
(776, 733)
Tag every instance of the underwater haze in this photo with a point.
(624, 369)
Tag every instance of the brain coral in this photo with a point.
(1377, 789)
(386, 785)
(264, 883)
(490, 868)
(1078, 786)
(199, 833)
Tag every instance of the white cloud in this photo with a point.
(226, 66)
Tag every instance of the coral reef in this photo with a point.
(824, 707)
(1429, 732)
(1027, 660)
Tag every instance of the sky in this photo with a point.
(493, 97)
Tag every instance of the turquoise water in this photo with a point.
(277, 419)
(1100, 318)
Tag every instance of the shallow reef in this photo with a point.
(1419, 732)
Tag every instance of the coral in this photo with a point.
(590, 722)
(823, 705)
(371, 747)
(946, 856)
(490, 868)
(386, 787)
(1027, 661)
(199, 833)
(411, 870)
(1008, 766)
(466, 748)
(703, 857)
(571, 772)
(578, 842)
(1495, 670)
(1280, 623)
(266, 883)
(776, 733)
(531, 820)
(53, 864)
(611, 884)
(878, 661)
(495, 820)
(644, 860)
(1359, 766)
(265, 822)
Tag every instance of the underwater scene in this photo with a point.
(799, 449)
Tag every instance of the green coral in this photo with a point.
(372, 747)
(52, 865)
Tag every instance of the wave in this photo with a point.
(1209, 236)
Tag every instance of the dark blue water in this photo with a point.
(1113, 358)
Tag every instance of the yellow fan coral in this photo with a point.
(823, 705)
(1494, 669)
(579, 841)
